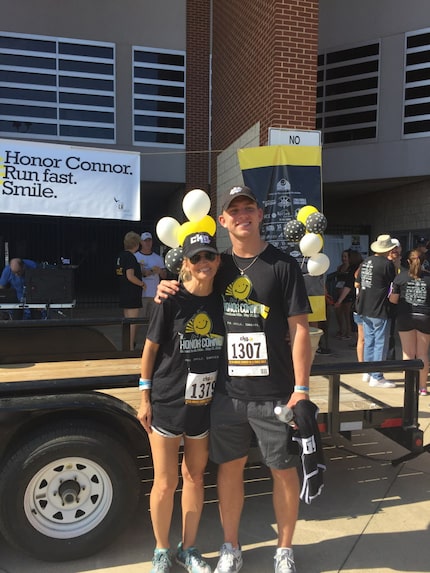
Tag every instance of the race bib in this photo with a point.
(247, 354)
(200, 388)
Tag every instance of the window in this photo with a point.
(57, 88)
(416, 107)
(158, 97)
(347, 94)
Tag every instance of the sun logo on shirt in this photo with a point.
(201, 324)
(240, 288)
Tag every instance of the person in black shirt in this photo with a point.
(179, 369)
(376, 274)
(411, 292)
(130, 281)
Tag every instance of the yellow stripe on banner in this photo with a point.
(318, 308)
(270, 155)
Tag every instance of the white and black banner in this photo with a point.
(48, 179)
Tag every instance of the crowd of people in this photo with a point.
(228, 342)
(386, 294)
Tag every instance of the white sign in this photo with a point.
(279, 136)
(47, 179)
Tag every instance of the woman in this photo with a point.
(130, 287)
(344, 298)
(179, 365)
(411, 291)
(346, 292)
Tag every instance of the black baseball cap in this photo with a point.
(197, 243)
(234, 192)
(422, 241)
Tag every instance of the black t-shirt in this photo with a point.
(130, 295)
(190, 331)
(375, 278)
(256, 310)
(414, 294)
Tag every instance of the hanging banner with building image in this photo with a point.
(285, 178)
(62, 180)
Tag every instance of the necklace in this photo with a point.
(242, 271)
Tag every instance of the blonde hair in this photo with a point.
(184, 274)
(131, 240)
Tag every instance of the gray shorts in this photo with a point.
(233, 423)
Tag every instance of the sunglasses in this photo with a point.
(208, 256)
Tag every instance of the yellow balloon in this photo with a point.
(304, 213)
(206, 225)
(184, 230)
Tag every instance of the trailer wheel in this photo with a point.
(67, 492)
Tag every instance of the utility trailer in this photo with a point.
(71, 445)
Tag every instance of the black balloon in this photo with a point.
(294, 231)
(316, 223)
(173, 260)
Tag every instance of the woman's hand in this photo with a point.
(144, 414)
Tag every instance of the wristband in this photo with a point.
(145, 384)
(301, 389)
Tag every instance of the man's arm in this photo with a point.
(301, 353)
(5, 277)
(165, 288)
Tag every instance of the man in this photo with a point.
(422, 246)
(265, 303)
(13, 276)
(375, 277)
(153, 270)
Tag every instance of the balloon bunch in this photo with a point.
(307, 230)
(196, 205)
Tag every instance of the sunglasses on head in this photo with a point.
(208, 256)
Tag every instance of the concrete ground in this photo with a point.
(372, 516)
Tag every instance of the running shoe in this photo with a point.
(230, 559)
(284, 561)
(191, 560)
(161, 562)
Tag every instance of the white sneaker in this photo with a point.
(230, 559)
(284, 561)
(366, 377)
(382, 383)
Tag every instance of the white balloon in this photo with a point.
(318, 264)
(196, 204)
(310, 244)
(167, 231)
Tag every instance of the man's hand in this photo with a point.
(165, 288)
(296, 397)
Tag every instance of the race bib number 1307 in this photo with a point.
(247, 354)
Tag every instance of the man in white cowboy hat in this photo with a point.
(375, 277)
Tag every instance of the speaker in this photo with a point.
(49, 286)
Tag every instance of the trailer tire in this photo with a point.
(67, 492)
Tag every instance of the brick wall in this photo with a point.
(264, 66)
(197, 86)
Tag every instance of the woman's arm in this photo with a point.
(129, 273)
(149, 354)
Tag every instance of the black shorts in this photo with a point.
(233, 423)
(407, 322)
